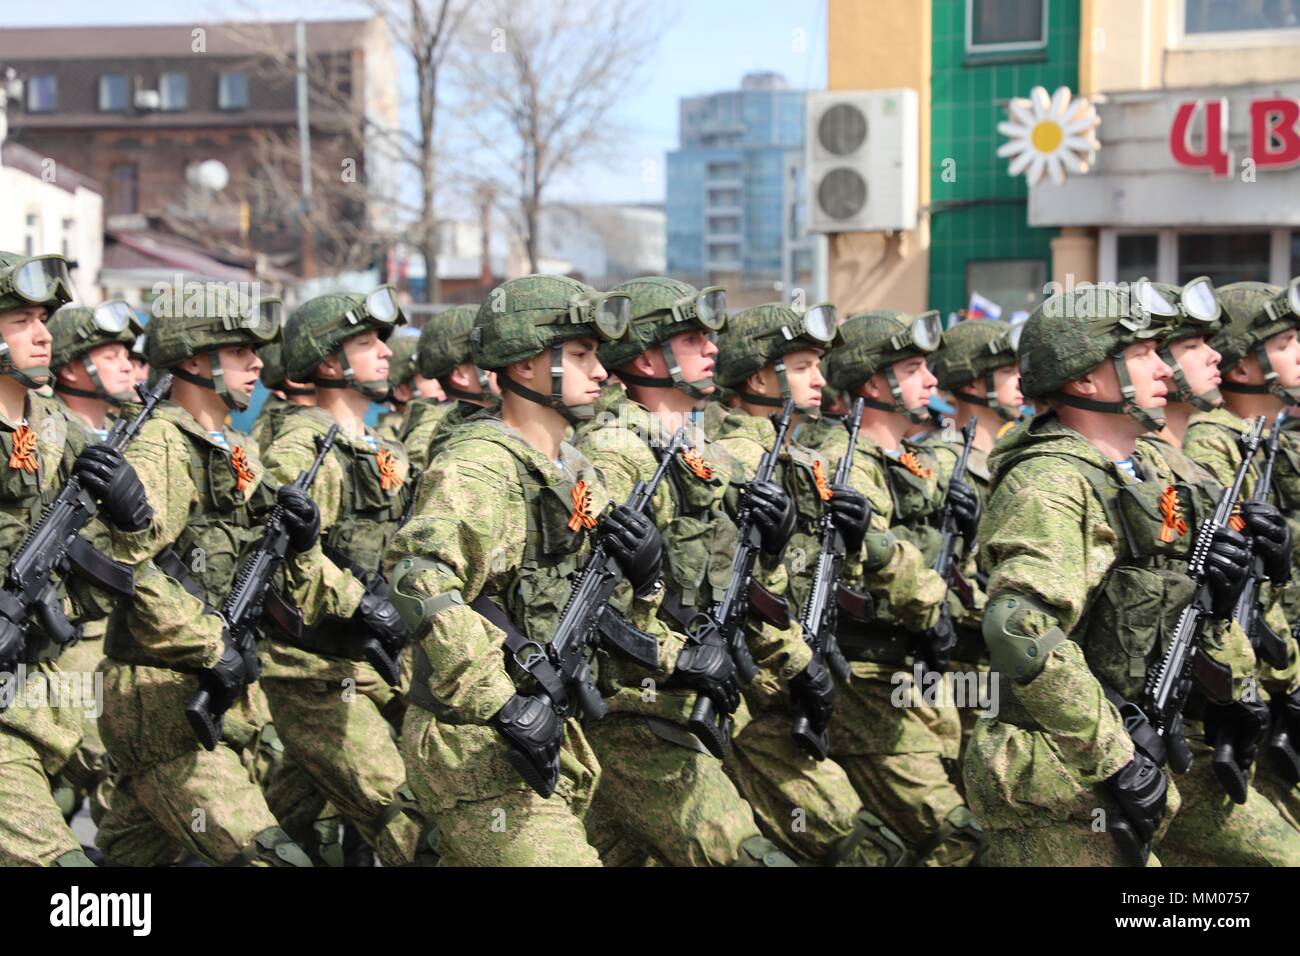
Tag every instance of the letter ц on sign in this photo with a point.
(1274, 138)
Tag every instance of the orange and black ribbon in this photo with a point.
(1235, 521)
(581, 517)
(1171, 515)
(819, 478)
(913, 464)
(696, 463)
(24, 453)
(244, 473)
(389, 480)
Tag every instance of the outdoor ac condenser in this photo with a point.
(860, 153)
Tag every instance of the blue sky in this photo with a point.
(709, 46)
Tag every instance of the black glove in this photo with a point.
(1284, 735)
(301, 517)
(849, 512)
(815, 690)
(1140, 788)
(774, 514)
(534, 732)
(938, 643)
(110, 479)
(378, 616)
(635, 543)
(1235, 730)
(11, 643)
(226, 678)
(706, 665)
(1227, 565)
(966, 509)
(1270, 536)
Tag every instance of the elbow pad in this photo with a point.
(1020, 632)
(879, 546)
(416, 610)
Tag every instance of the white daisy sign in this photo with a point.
(1049, 134)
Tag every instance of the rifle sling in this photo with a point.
(520, 648)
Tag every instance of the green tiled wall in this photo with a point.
(983, 212)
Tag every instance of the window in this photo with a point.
(1015, 284)
(29, 234)
(42, 94)
(1225, 257)
(174, 88)
(994, 25)
(232, 91)
(112, 93)
(124, 196)
(1136, 257)
(1235, 16)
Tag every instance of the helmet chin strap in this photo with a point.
(377, 390)
(675, 379)
(917, 416)
(1270, 386)
(100, 392)
(1152, 419)
(812, 412)
(1206, 401)
(27, 376)
(575, 415)
(990, 400)
(216, 383)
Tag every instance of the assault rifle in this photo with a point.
(944, 563)
(1268, 644)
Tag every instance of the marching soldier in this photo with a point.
(285, 396)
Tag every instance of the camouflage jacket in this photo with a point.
(269, 419)
(421, 421)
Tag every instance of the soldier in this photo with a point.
(208, 489)
(1259, 365)
(1077, 544)
(769, 354)
(894, 742)
(93, 376)
(332, 706)
(662, 795)
(285, 396)
(139, 364)
(444, 357)
(489, 560)
(400, 371)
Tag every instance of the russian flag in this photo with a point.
(982, 308)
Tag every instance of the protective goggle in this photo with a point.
(708, 307)
(1009, 341)
(1199, 301)
(924, 334)
(609, 312)
(1289, 299)
(39, 279)
(819, 323)
(262, 321)
(1146, 301)
(379, 306)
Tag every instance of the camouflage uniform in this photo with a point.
(172, 795)
(274, 409)
(443, 345)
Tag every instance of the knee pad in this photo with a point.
(866, 845)
(274, 847)
(760, 851)
(75, 857)
(326, 846)
(959, 827)
(67, 795)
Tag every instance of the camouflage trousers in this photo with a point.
(86, 774)
(661, 803)
(1211, 830)
(1073, 843)
(898, 759)
(806, 807)
(1278, 790)
(343, 744)
(515, 828)
(32, 828)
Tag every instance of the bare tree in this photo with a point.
(538, 80)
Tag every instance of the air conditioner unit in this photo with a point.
(148, 100)
(860, 156)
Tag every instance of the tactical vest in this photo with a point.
(1286, 491)
(806, 477)
(1133, 613)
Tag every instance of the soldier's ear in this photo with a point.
(756, 384)
(1240, 373)
(523, 371)
(1085, 386)
(328, 368)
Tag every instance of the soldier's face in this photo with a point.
(428, 388)
(25, 333)
(583, 373)
(113, 363)
(803, 370)
(140, 369)
(1148, 373)
(1283, 352)
(915, 381)
(696, 354)
(1199, 362)
(368, 356)
(240, 367)
(1006, 386)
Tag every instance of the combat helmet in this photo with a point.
(318, 328)
(1072, 333)
(1199, 314)
(198, 318)
(401, 366)
(661, 309)
(971, 352)
(24, 281)
(444, 346)
(523, 317)
(77, 329)
(1254, 312)
(764, 335)
(875, 341)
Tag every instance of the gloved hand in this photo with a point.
(966, 509)
(378, 616)
(938, 643)
(814, 689)
(226, 678)
(1284, 735)
(1140, 788)
(1235, 731)
(1226, 568)
(849, 512)
(1270, 536)
(301, 517)
(534, 732)
(635, 543)
(774, 514)
(11, 643)
(113, 482)
(706, 665)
